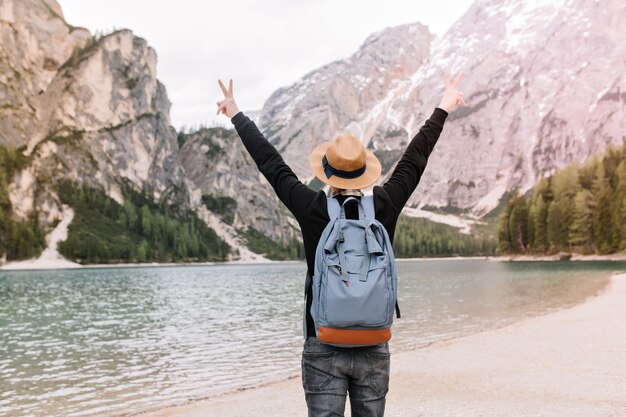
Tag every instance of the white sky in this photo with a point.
(261, 45)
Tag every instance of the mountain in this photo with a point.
(90, 110)
(544, 86)
(352, 94)
(228, 190)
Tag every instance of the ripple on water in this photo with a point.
(116, 341)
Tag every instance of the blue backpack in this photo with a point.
(355, 283)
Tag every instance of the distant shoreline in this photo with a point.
(557, 257)
(29, 265)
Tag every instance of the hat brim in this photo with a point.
(372, 172)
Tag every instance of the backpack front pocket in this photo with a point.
(350, 301)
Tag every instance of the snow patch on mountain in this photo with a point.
(50, 257)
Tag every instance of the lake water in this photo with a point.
(107, 342)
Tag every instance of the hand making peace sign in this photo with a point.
(228, 105)
(452, 96)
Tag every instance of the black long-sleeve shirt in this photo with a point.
(309, 207)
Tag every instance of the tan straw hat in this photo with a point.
(345, 163)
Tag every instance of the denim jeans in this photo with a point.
(329, 373)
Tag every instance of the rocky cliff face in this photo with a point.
(102, 119)
(91, 109)
(218, 166)
(34, 42)
(352, 94)
(105, 117)
(544, 86)
(82, 108)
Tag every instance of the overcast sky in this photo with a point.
(261, 45)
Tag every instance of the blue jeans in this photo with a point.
(329, 373)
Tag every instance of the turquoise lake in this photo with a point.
(118, 341)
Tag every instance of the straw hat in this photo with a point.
(345, 163)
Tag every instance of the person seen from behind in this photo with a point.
(330, 373)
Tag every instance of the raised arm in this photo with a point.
(412, 164)
(291, 191)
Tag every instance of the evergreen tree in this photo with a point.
(142, 251)
(146, 221)
(581, 228)
(131, 214)
(19, 238)
(618, 207)
(564, 184)
(504, 227)
(555, 226)
(540, 225)
(601, 192)
(538, 216)
(518, 225)
(622, 226)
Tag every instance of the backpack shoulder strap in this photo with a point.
(334, 209)
(368, 206)
(370, 213)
